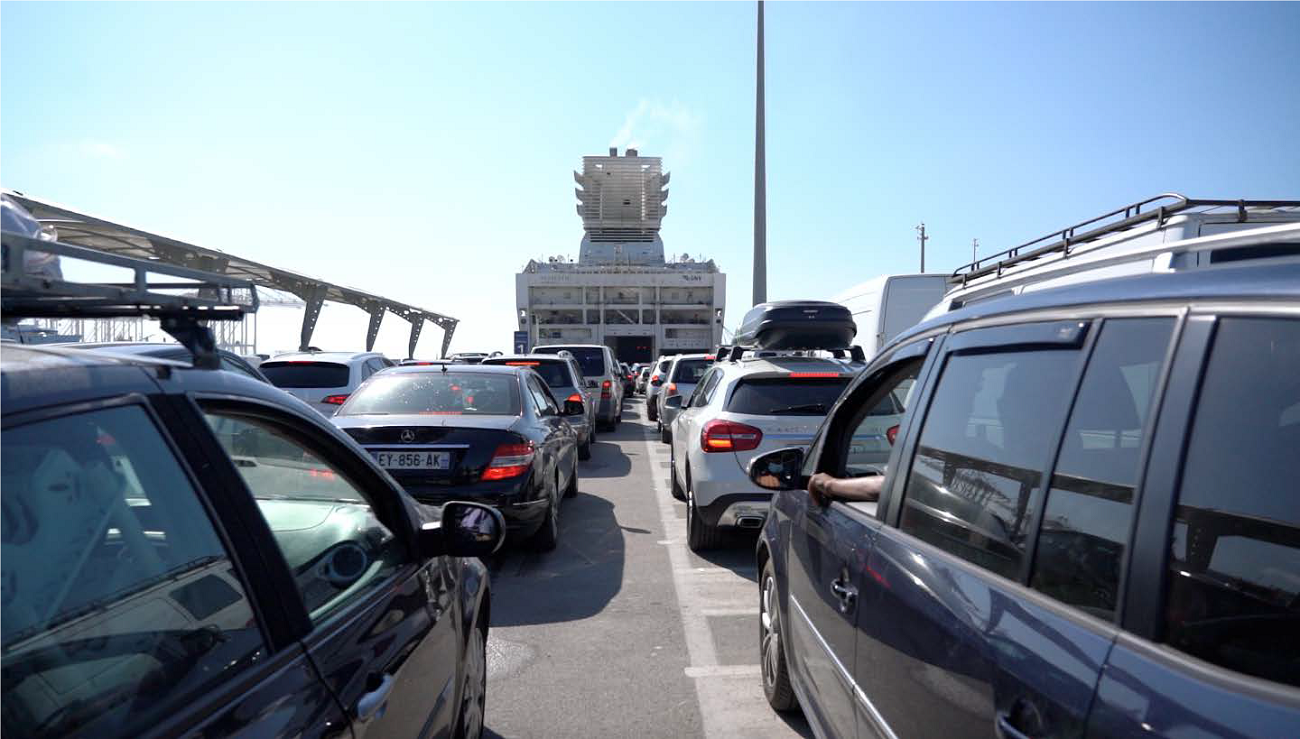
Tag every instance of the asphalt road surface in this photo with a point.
(622, 631)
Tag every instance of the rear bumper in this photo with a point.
(744, 510)
(521, 504)
(608, 409)
(723, 493)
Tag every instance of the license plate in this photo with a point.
(413, 460)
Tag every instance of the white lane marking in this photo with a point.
(725, 671)
(719, 612)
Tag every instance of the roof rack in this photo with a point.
(736, 353)
(202, 296)
(1062, 242)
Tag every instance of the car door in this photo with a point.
(560, 439)
(379, 622)
(1211, 645)
(132, 605)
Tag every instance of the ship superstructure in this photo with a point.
(622, 291)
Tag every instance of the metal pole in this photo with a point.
(922, 238)
(974, 249)
(760, 179)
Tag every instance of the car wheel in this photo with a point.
(584, 449)
(572, 488)
(549, 534)
(665, 435)
(651, 413)
(771, 650)
(700, 536)
(473, 695)
(677, 491)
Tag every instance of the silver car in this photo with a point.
(683, 374)
(601, 371)
(742, 409)
(658, 374)
(324, 380)
(564, 379)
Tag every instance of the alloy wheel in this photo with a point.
(770, 634)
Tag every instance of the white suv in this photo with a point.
(741, 409)
(324, 380)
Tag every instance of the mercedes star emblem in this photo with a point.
(408, 436)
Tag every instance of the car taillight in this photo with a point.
(891, 433)
(728, 436)
(814, 374)
(575, 398)
(604, 390)
(672, 388)
(509, 460)
(334, 399)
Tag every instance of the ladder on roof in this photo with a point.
(1062, 242)
(181, 304)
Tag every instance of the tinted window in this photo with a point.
(781, 396)
(554, 374)
(334, 544)
(233, 365)
(438, 393)
(1085, 526)
(875, 432)
(590, 359)
(982, 451)
(1234, 573)
(306, 374)
(690, 370)
(704, 390)
(120, 603)
(543, 400)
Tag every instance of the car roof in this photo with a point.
(453, 369)
(784, 364)
(1263, 280)
(337, 357)
(528, 358)
(571, 346)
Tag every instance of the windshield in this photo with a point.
(436, 393)
(306, 374)
(590, 359)
(690, 370)
(780, 396)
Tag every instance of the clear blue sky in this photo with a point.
(424, 150)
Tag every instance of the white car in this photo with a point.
(658, 376)
(739, 410)
(684, 373)
(324, 380)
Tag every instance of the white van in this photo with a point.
(887, 305)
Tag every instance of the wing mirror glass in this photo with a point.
(466, 530)
(574, 408)
(674, 401)
(778, 470)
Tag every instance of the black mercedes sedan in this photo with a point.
(492, 434)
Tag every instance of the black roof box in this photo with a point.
(797, 324)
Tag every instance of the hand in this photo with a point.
(819, 488)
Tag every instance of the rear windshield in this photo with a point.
(690, 370)
(305, 374)
(590, 359)
(556, 374)
(436, 393)
(785, 397)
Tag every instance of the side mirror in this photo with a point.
(673, 401)
(574, 408)
(778, 470)
(656, 382)
(466, 530)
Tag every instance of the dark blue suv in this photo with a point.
(1089, 522)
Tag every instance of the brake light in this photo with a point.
(509, 460)
(728, 436)
(710, 357)
(654, 377)
(672, 388)
(523, 364)
(891, 433)
(814, 374)
(575, 398)
(334, 399)
(604, 390)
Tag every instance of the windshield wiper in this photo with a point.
(819, 408)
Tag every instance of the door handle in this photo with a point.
(371, 705)
(845, 593)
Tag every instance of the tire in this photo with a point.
(677, 491)
(665, 435)
(651, 411)
(584, 449)
(548, 535)
(572, 489)
(700, 536)
(771, 648)
(473, 694)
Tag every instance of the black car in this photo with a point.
(1089, 521)
(188, 551)
(489, 433)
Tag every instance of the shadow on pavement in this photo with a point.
(575, 581)
(734, 552)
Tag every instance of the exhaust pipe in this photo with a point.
(749, 522)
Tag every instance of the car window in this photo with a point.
(544, 402)
(982, 451)
(553, 373)
(233, 365)
(590, 359)
(1234, 571)
(372, 366)
(785, 396)
(120, 602)
(1085, 527)
(325, 526)
(703, 388)
(306, 374)
(874, 433)
(436, 393)
(690, 370)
